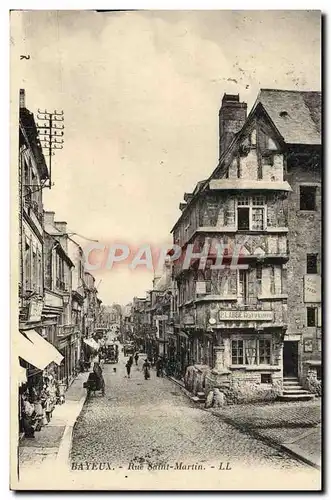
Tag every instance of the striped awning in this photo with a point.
(35, 350)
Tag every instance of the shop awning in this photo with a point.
(35, 350)
(183, 334)
(92, 343)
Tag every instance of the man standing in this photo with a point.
(136, 357)
(129, 365)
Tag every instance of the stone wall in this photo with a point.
(304, 237)
(239, 386)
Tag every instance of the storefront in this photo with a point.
(38, 389)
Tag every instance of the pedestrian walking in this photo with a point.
(129, 366)
(146, 369)
(136, 357)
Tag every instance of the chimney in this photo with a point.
(232, 117)
(49, 218)
(22, 98)
(61, 226)
(63, 238)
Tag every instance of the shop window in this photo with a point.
(266, 378)
(264, 351)
(237, 352)
(311, 263)
(311, 316)
(251, 351)
(308, 198)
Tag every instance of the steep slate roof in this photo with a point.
(302, 123)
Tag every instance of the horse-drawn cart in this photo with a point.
(110, 353)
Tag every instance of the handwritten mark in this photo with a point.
(24, 57)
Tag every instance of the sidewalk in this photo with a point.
(52, 443)
(293, 427)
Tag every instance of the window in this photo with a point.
(259, 279)
(242, 284)
(243, 219)
(308, 198)
(251, 351)
(311, 316)
(311, 263)
(266, 378)
(264, 351)
(237, 352)
(257, 219)
(251, 213)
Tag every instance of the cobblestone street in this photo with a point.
(152, 422)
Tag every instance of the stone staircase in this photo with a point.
(293, 391)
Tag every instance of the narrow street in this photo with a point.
(152, 422)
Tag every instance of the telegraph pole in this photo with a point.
(51, 134)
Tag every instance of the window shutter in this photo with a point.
(230, 213)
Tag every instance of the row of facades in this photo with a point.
(247, 329)
(58, 299)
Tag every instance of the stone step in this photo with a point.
(291, 382)
(290, 379)
(296, 397)
(295, 391)
(292, 387)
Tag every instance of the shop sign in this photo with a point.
(35, 310)
(312, 288)
(229, 315)
(162, 317)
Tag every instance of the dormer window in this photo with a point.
(283, 114)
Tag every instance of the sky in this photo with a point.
(141, 93)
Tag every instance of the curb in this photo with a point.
(63, 454)
(289, 449)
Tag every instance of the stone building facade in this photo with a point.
(239, 335)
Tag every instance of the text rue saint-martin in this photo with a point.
(179, 466)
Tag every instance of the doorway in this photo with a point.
(290, 358)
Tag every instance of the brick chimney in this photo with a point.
(232, 117)
(49, 218)
(22, 98)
